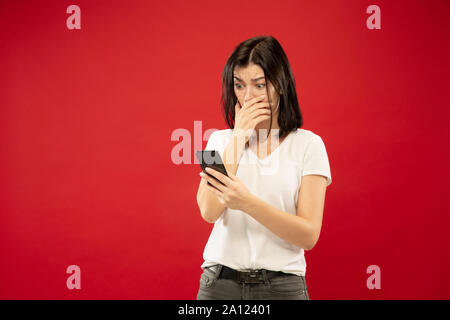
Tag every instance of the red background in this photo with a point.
(86, 123)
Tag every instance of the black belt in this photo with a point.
(254, 276)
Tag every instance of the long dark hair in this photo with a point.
(266, 52)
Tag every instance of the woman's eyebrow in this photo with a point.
(254, 80)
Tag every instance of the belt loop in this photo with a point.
(264, 273)
(219, 269)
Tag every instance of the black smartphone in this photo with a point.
(212, 159)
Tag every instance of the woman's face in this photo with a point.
(249, 82)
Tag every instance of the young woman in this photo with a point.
(269, 209)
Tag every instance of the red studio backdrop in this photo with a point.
(87, 115)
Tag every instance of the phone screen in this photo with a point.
(212, 159)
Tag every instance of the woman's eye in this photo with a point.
(260, 86)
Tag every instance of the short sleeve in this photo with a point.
(316, 159)
(215, 142)
(212, 141)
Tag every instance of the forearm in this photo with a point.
(232, 153)
(292, 228)
(210, 207)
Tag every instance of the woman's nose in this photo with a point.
(249, 95)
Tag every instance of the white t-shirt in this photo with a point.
(241, 242)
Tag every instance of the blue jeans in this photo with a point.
(285, 287)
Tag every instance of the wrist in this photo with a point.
(239, 139)
(250, 204)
